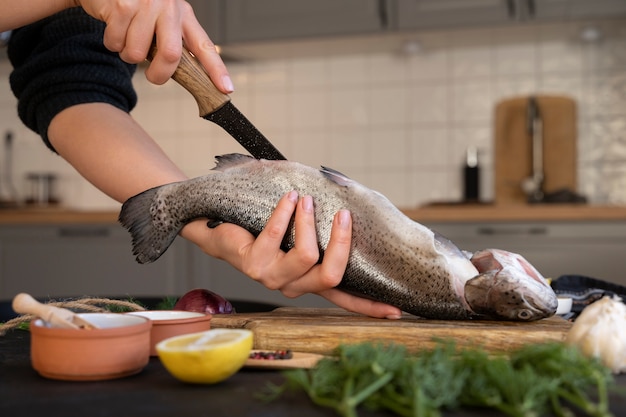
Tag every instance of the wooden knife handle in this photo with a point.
(192, 76)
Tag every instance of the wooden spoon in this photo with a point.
(58, 317)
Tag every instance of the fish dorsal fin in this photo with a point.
(336, 176)
(230, 160)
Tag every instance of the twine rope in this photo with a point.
(81, 305)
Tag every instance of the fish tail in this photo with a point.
(150, 239)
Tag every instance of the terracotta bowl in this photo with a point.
(170, 323)
(118, 348)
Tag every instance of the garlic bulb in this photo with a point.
(600, 331)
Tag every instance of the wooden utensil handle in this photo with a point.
(25, 304)
(192, 76)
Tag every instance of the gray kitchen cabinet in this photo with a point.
(432, 14)
(232, 21)
(251, 20)
(595, 8)
(573, 9)
(83, 259)
(211, 16)
(441, 14)
(596, 249)
(74, 260)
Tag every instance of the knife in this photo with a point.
(217, 107)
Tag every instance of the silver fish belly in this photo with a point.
(393, 259)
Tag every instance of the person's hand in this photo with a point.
(297, 271)
(131, 26)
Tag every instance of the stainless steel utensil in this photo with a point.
(8, 192)
(533, 185)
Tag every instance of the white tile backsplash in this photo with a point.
(428, 103)
(515, 59)
(432, 185)
(561, 56)
(310, 72)
(513, 85)
(349, 149)
(607, 93)
(270, 76)
(272, 108)
(311, 148)
(610, 54)
(472, 62)
(472, 101)
(309, 108)
(389, 149)
(350, 106)
(429, 65)
(430, 146)
(386, 69)
(397, 123)
(388, 105)
(348, 70)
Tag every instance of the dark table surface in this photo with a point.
(153, 392)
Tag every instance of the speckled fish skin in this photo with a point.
(393, 259)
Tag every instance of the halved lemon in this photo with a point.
(206, 357)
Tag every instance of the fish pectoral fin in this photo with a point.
(477, 291)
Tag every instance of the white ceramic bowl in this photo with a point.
(117, 348)
(170, 323)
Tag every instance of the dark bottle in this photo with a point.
(471, 176)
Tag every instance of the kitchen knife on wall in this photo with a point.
(217, 107)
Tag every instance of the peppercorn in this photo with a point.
(272, 355)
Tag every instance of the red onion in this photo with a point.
(204, 301)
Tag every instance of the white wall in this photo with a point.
(397, 123)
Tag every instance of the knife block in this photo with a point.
(513, 147)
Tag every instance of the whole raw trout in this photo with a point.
(393, 259)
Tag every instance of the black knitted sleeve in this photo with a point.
(60, 62)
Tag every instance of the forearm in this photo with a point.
(17, 13)
(113, 152)
(109, 148)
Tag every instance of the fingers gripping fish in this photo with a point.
(393, 259)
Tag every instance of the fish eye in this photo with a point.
(524, 315)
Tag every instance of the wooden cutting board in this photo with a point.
(513, 146)
(321, 330)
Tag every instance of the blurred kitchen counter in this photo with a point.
(442, 212)
(56, 216)
(438, 212)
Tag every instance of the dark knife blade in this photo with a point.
(216, 107)
(229, 118)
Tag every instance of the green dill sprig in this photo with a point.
(118, 308)
(167, 303)
(532, 381)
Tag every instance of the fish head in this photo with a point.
(509, 287)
